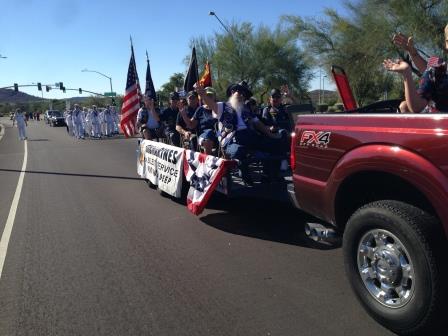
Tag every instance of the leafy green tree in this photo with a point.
(175, 83)
(263, 57)
(361, 40)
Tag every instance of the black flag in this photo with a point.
(192, 76)
(149, 89)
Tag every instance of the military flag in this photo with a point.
(206, 79)
(149, 88)
(192, 76)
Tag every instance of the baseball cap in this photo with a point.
(210, 90)
(192, 93)
(174, 95)
(275, 93)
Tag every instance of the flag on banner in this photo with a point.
(206, 79)
(434, 62)
(204, 173)
(131, 100)
(149, 89)
(192, 76)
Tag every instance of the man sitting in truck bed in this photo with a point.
(274, 115)
(238, 120)
(277, 119)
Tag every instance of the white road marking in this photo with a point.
(2, 131)
(12, 212)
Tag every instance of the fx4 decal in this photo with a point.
(315, 139)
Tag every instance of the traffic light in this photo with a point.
(80, 91)
(61, 85)
(39, 86)
(16, 87)
(47, 88)
(113, 102)
(63, 89)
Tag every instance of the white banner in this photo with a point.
(162, 165)
(141, 159)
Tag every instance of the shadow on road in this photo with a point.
(261, 219)
(72, 174)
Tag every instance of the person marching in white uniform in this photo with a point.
(20, 119)
(77, 122)
(108, 118)
(69, 121)
(116, 119)
(86, 122)
(96, 128)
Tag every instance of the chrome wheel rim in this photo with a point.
(386, 268)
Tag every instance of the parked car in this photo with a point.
(56, 119)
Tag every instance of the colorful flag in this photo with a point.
(204, 173)
(206, 79)
(131, 100)
(149, 89)
(434, 62)
(192, 75)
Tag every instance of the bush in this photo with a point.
(322, 108)
(339, 107)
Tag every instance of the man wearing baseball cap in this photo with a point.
(204, 121)
(185, 115)
(274, 115)
(168, 119)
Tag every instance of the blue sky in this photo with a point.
(50, 41)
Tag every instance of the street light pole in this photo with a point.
(320, 86)
(211, 13)
(323, 88)
(110, 78)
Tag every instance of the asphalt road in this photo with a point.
(94, 251)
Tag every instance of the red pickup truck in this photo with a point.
(381, 180)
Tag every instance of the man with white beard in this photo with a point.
(238, 126)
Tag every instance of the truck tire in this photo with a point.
(393, 260)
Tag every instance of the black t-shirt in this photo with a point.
(276, 117)
(180, 121)
(205, 119)
(169, 118)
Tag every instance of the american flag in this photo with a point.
(434, 62)
(204, 173)
(131, 101)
